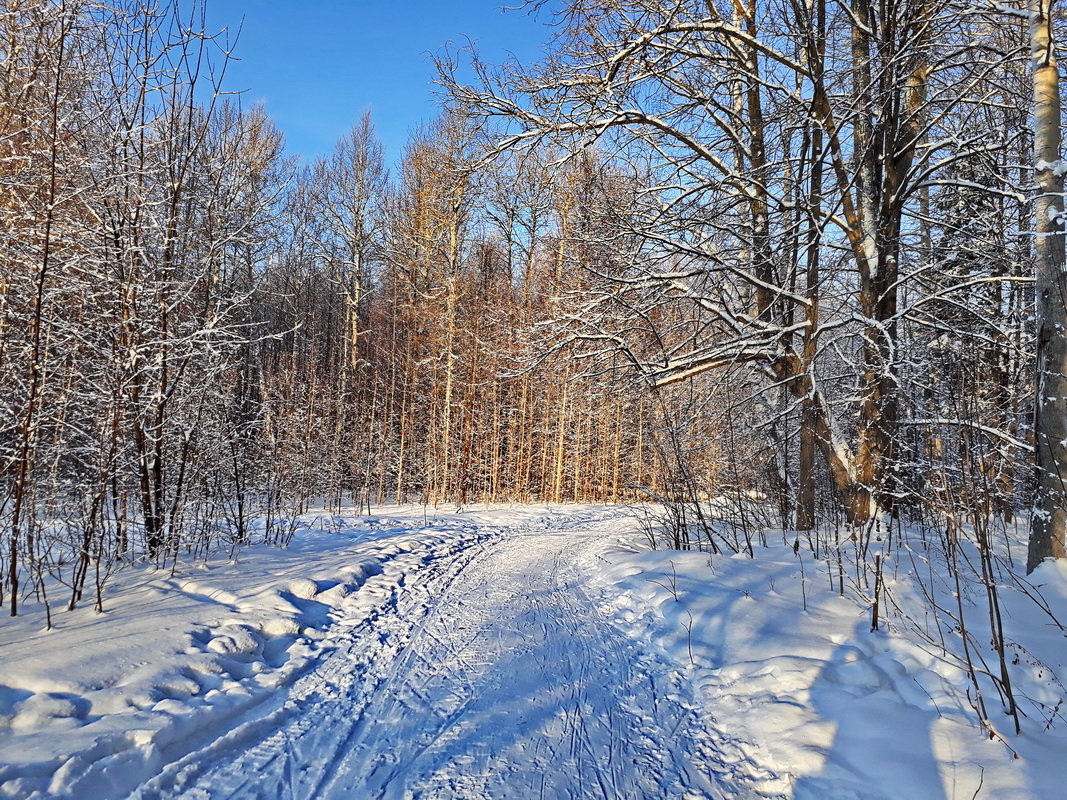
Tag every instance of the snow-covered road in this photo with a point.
(488, 674)
(509, 652)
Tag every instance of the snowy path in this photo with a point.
(491, 675)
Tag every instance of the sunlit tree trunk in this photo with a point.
(1050, 404)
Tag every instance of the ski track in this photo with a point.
(491, 675)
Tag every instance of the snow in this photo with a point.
(813, 704)
(97, 705)
(1058, 167)
(500, 681)
(518, 652)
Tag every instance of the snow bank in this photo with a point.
(813, 705)
(100, 703)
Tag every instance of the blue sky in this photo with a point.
(317, 64)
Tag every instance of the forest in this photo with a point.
(791, 268)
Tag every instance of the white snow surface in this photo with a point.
(528, 652)
(814, 705)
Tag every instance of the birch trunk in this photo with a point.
(1050, 406)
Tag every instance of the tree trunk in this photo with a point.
(1050, 406)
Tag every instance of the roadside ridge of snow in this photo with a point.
(95, 723)
(812, 705)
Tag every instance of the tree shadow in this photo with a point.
(882, 747)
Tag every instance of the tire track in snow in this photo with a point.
(490, 676)
(256, 758)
